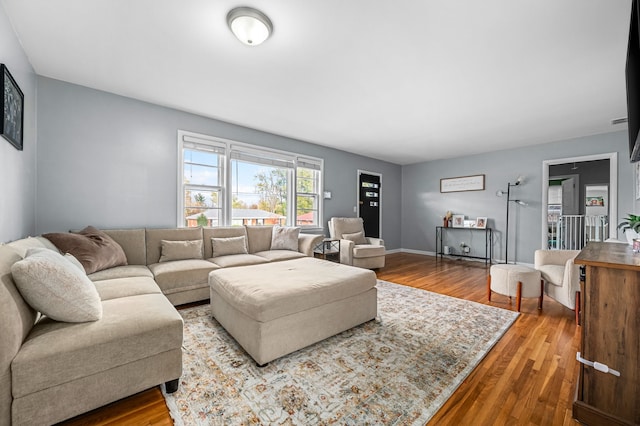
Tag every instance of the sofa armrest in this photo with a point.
(307, 242)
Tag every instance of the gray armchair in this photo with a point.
(355, 248)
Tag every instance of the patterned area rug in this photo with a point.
(398, 369)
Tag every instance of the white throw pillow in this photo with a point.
(228, 246)
(55, 287)
(180, 250)
(285, 238)
(356, 237)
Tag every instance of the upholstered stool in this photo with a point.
(515, 280)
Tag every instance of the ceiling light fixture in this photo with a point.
(249, 25)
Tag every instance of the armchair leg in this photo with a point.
(518, 296)
(489, 287)
(577, 310)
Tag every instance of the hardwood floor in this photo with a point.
(528, 378)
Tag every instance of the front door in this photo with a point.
(369, 192)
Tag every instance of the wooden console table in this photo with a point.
(488, 246)
(610, 336)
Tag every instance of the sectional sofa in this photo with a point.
(54, 370)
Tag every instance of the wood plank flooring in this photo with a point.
(528, 378)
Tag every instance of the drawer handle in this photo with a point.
(598, 366)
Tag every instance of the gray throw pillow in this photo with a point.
(55, 287)
(285, 238)
(356, 237)
(180, 250)
(228, 246)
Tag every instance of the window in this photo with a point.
(229, 183)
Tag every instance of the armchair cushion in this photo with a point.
(367, 250)
(356, 237)
(553, 274)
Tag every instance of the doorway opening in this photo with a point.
(568, 221)
(369, 202)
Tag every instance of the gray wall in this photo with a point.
(18, 168)
(423, 205)
(589, 172)
(110, 161)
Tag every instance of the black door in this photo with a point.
(369, 199)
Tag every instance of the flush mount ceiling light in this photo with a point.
(249, 25)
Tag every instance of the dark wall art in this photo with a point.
(11, 127)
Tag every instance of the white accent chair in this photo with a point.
(355, 248)
(561, 276)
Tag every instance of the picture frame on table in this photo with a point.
(457, 221)
(481, 222)
(12, 100)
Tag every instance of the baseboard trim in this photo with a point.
(431, 253)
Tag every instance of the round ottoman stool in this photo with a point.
(515, 280)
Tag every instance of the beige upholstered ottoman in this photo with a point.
(515, 280)
(277, 308)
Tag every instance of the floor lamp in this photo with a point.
(500, 193)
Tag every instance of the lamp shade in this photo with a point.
(249, 25)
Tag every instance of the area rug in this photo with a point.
(398, 369)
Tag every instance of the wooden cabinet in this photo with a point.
(610, 335)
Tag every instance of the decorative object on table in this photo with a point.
(340, 380)
(481, 222)
(11, 126)
(458, 221)
(469, 223)
(447, 218)
(500, 193)
(462, 183)
(464, 248)
(630, 226)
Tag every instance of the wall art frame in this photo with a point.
(12, 100)
(462, 183)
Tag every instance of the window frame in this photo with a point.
(230, 150)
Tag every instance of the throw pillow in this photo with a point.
(180, 250)
(285, 238)
(93, 248)
(356, 237)
(52, 285)
(228, 246)
(75, 262)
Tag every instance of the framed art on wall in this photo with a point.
(11, 126)
(462, 183)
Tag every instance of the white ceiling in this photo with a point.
(402, 81)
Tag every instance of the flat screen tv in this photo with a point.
(632, 73)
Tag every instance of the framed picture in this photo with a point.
(462, 183)
(481, 222)
(595, 201)
(457, 221)
(11, 127)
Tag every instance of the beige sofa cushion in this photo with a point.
(553, 274)
(21, 246)
(125, 287)
(121, 272)
(57, 288)
(132, 242)
(293, 286)
(238, 260)
(180, 250)
(180, 275)
(259, 238)
(285, 238)
(278, 255)
(92, 247)
(131, 329)
(227, 246)
(154, 239)
(220, 232)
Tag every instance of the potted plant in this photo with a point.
(630, 226)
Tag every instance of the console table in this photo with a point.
(488, 246)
